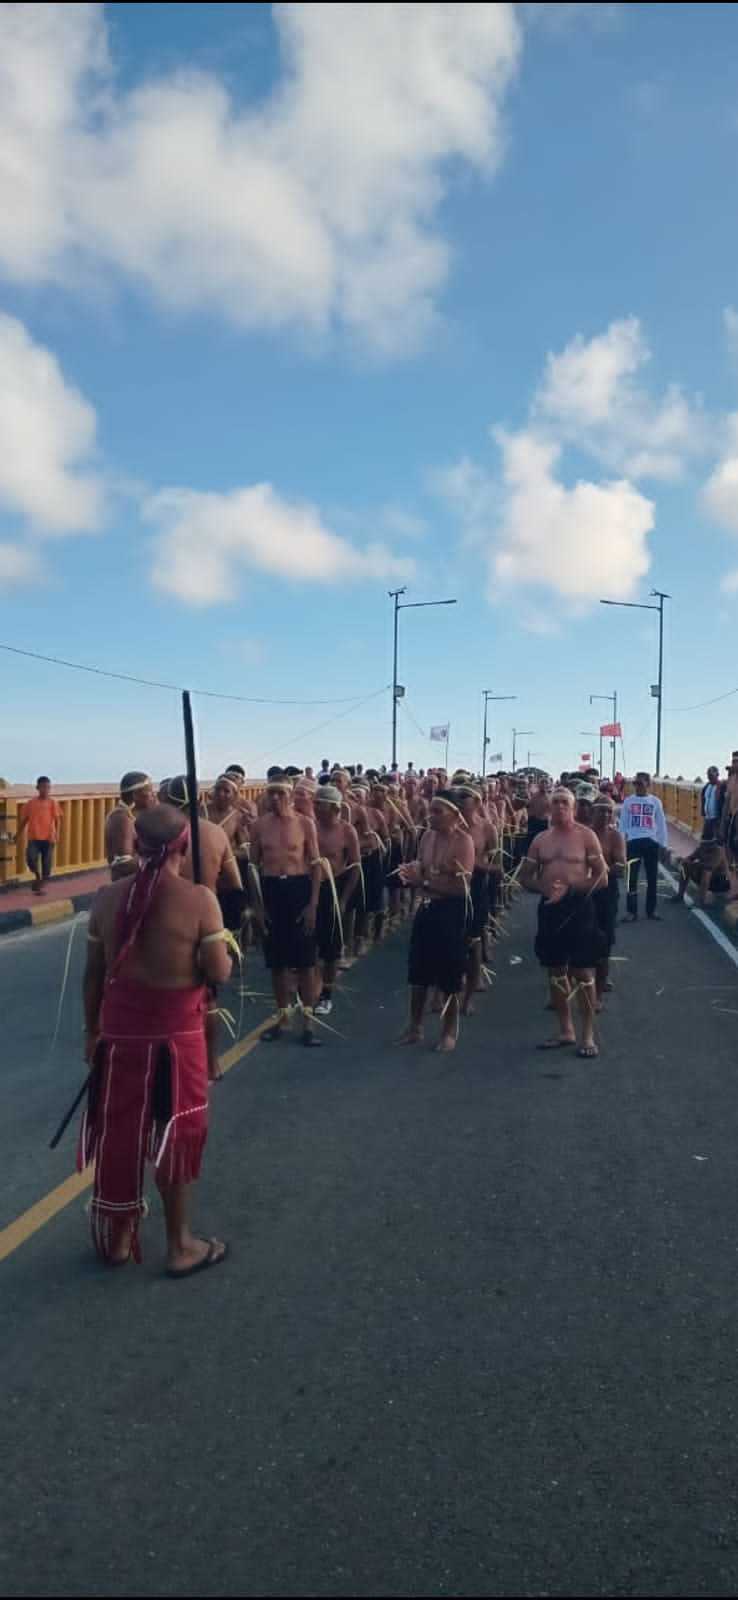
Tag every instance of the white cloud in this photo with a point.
(576, 542)
(204, 541)
(18, 564)
(317, 207)
(47, 436)
(729, 585)
(402, 524)
(589, 397)
(720, 493)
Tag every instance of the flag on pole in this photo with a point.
(585, 758)
(439, 732)
(611, 730)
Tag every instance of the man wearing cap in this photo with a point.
(136, 795)
(565, 867)
(338, 844)
(284, 852)
(438, 951)
(643, 824)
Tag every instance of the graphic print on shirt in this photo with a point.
(642, 815)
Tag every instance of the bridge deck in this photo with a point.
(477, 1334)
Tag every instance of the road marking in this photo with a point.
(715, 932)
(29, 1222)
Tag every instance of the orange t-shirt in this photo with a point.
(44, 817)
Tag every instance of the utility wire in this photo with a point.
(177, 688)
(306, 733)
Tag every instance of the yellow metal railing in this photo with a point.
(81, 844)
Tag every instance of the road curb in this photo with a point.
(42, 915)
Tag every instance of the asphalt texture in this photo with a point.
(477, 1331)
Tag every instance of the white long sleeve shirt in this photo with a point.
(642, 817)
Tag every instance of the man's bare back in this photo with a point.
(218, 868)
(165, 955)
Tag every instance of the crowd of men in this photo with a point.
(312, 870)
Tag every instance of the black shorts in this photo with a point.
(606, 910)
(373, 869)
(395, 860)
(287, 942)
(355, 900)
(328, 931)
(233, 904)
(480, 902)
(438, 952)
(569, 934)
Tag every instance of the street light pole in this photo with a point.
(488, 695)
(637, 605)
(412, 605)
(519, 733)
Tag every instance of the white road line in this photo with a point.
(715, 932)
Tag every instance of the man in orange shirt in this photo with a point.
(42, 817)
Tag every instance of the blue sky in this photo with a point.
(301, 303)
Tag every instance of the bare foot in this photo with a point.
(122, 1255)
(411, 1036)
(446, 1044)
(197, 1253)
(467, 1009)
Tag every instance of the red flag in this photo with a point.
(611, 730)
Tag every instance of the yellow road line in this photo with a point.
(29, 1222)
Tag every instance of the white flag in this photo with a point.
(440, 732)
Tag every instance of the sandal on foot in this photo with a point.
(556, 1044)
(588, 1052)
(215, 1254)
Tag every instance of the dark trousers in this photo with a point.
(40, 854)
(646, 851)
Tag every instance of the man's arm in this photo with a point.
(595, 861)
(229, 876)
(353, 863)
(213, 956)
(313, 866)
(94, 981)
(530, 871)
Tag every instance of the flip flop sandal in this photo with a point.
(588, 1052)
(210, 1260)
(556, 1044)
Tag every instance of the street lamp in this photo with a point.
(613, 701)
(519, 733)
(397, 690)
(488, 695)
(635, 605)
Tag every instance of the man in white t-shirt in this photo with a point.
(643, 823)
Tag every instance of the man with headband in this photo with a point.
(338, 844)
(438, 952)
(136, 795)
(284, 851)
(565, 867)
(155, 942)
(218, 869)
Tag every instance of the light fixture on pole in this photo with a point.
(657, 690)
(488, 695)
(519, 733)
(397, 688)
(613, 700)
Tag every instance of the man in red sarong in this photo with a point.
(155, 942)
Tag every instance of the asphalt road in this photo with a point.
(477, 1334)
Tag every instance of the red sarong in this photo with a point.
(148, 1097)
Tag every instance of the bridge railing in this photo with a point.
(81, 844)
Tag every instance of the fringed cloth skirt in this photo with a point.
(147, 1099)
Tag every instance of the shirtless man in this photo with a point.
(438, 951)
(483, 835)
(565, 867)
(373, 835)
(225, 807)
(136, 795)
(385, 806)
(239, 773)
(154, 942)
(284, 850)
(612, 845)
(539, 811)
(338, 844)
(416, 804)
(218, 869)
(303, 797)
